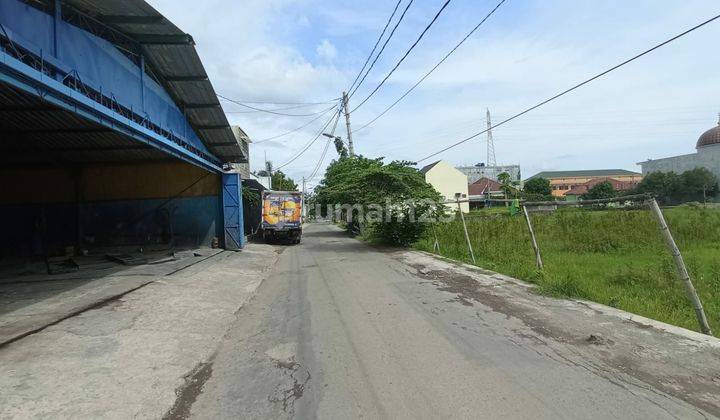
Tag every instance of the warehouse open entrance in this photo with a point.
(72, 183)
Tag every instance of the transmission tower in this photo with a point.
(490, 143)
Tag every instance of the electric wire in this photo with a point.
(310, 143)
(376, 44)
(289, 103)
(392, 32)
(422, 34)
(275, 109)
(267, 110)
(327, 146)
(566, 91)
(296, 128)
(462, 41)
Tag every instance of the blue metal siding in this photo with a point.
(234, 234)
(98, 64)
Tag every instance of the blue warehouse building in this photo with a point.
(110, 132)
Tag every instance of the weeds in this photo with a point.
(614, 257)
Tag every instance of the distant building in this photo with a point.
(562, 182)
(491, 172)
(244, 141)
(485, 188)
(448, 181)
(707, 156)
(578, 190)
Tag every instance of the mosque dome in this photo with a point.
(710, 137)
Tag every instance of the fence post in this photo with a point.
(682, 270)
(436, 245)
(536, 248)
(467, 237)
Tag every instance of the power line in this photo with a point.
(288, 103)
(275, 109)
(327, 146)
(269, 111)
(376, 44)
(392, 32)
(597, 76)
(310, 143)
(296, 128)
(437, 15)
(434, 68)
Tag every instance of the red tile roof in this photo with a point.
(484, 186)
(617, 185)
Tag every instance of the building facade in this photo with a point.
(561, 182)
(707, 155)
(448, 181)
(478, 171)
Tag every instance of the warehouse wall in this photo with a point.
(107, 204)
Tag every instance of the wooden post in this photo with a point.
(536, 248)
(467, 237)
(682, 270)
(436, 245)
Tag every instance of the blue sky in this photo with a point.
(308, 50)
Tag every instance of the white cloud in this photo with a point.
(326, 50)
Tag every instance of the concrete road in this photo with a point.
(344, 330)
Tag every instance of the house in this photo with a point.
(562, 182)
(578, 190)
(448, 181)
(707, 155)
(484, 188)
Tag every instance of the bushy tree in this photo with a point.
(696, 184)
(508, 185)
(393, 197)
(600, 190)
(699, 184)
(282, 182)
(537, 187)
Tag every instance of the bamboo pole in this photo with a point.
(536, 248)
(436, 245)
(682, 269)
(467, 237)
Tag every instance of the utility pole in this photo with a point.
(302, 203)
(351, 149)
(490, 143)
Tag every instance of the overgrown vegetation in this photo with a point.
(615, 257)
(392, 197)
(698, 184)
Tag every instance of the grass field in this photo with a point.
(615, 257)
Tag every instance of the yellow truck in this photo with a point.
(282, 215)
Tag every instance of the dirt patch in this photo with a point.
(188, 393)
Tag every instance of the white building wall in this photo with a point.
(476, 172)
(448, 181)
(706, 157)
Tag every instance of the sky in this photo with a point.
(529, 50)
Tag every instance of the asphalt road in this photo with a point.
(344, 330)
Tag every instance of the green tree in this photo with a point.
(698, 184)
(665, 186)
(282, 182)
(393, 197)
(600, 190)
(537, 186)
(508, 185)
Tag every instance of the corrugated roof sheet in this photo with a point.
(583, 173)
(170, 53)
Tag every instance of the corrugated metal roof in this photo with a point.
(170, 53)
(583, 173)
(34, 132)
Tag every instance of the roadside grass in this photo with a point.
(614, 257)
